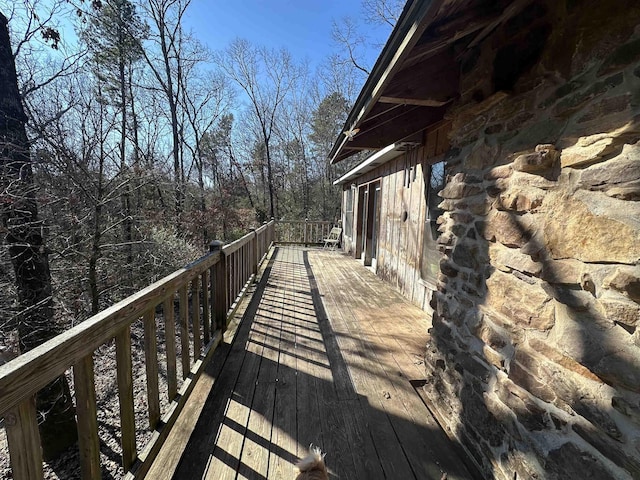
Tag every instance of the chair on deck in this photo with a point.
(333, 239)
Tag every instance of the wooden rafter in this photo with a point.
(447, 31)
(413, 101)
(411, 121)
(382, 109)
(508, 12)
(432, 83)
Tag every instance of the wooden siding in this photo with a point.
(401, 236)
(400, 239)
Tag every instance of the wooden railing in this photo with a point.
(303, 232)
(212, 286)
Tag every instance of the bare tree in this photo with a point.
(166, 16)
(294, 133)
(384, 12)
(345, 34)
(266, 77)
(334, 75)
(29, 255)
(353, 41)
(114, 38)
(205, 98)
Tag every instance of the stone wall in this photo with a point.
(534, 357)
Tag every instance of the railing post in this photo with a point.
(304, 236)
(273, 231)
(256, 254)
(220, 290)
(265, 238)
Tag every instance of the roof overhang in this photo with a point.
(379, 158)
(402, 38)
(417, 75)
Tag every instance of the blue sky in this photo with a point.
(302, 26)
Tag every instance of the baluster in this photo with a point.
(238, 273)
(230, 284)
(195, 317)
(170, 342)
(151, 364)
(236, 276)
(245, 263)
(88, 441)
(21, 425)
(248, 265)
(125, 397)
(212, 293)
(256, 253)
(184, 330)
(238, 270)
(240, 267)
(205, 306)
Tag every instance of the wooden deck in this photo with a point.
(328, 354)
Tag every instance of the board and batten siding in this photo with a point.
(403, 212)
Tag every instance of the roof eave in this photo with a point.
(406, 33)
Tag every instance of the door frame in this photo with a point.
(368, 221)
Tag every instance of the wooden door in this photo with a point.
(361, 221)
(370, 227)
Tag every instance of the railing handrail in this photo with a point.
(221, 277)
(302, 232)
(261, 228)
(31, 371)
(239, 243)
(319, 222)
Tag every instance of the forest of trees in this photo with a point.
(128, 145)
(142, 145)
(147, 144)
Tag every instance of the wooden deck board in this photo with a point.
(378, 394)
(325, 354)
(284, 421)
(382, 354)
(254, 457)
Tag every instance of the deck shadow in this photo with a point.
(202, 440)
(284, 397)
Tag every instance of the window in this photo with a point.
(348, 207)
(436, 183)
(430, 260)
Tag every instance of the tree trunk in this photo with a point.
(234, 163)
(272, 212)
(19, 212)
(202, 191)
(136, 143)
(92, 273)
(126, 196)
(173, 109)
